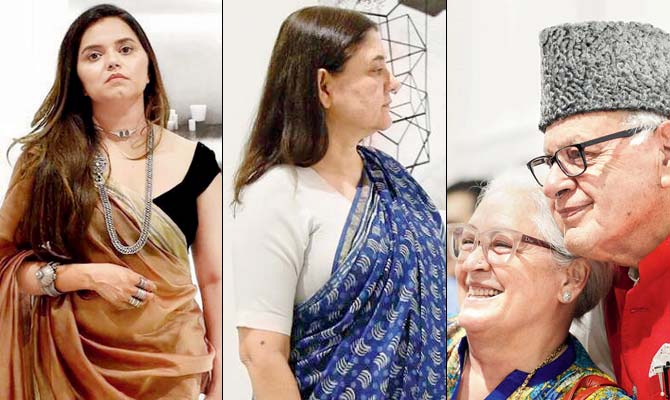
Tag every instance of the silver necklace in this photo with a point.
(121, 133)
(99, 167)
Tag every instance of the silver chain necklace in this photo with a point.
(99, 167)
(122, 133)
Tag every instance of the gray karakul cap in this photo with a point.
(603, 66)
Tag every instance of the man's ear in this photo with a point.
(663, 134)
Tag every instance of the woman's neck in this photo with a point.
(119, 115)
(489, 360)
(341, 158)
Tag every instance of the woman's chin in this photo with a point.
(115, 94)
(475, 316)
(386, 124)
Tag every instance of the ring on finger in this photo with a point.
(141, 294)
(134, 302)
(143, 283)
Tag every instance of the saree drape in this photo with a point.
(78, 346)
(376, 329)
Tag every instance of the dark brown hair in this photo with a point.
(59, 150)
(290, 127)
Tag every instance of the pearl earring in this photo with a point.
(567, 296)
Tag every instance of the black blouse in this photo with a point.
(179, 203)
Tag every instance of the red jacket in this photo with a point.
(637, 319)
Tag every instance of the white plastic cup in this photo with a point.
(191, 125)
(171, 125)
(198, 112)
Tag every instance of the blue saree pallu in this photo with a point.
(377, 328)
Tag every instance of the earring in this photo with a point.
(567, 296)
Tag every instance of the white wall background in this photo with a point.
(493, 74)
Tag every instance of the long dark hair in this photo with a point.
(290, 127)
(59, 150)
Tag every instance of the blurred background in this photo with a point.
(493, 75)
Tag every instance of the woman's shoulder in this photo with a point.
(276, 180)
(269, 205)
(582, 359)
(194, 152)
(274, 190)
(583, 367)
(173, 141)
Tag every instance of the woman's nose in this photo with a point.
(394, 85)
(476, 260)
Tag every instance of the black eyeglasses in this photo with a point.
(571, 159)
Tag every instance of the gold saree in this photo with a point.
(78, 346)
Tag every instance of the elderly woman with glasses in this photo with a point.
(520, 290)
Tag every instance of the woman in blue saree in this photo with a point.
(339, 255)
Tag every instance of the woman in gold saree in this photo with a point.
(96, 295)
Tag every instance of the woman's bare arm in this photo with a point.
(208, 260)
(265, 354)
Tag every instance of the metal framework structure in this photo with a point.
(408, 137)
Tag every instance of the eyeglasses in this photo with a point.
(571, 159)
(498, 245)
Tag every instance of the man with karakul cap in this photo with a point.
(605, 107)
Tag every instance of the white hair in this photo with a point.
(646, 119)
(518, 183)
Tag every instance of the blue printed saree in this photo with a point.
(377, 328)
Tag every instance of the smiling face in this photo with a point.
(360, 95)
(520, 293)
(111, 62)
(615, 208)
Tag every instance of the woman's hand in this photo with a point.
(119, 285)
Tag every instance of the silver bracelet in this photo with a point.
(46, 276)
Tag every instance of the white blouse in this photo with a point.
(286, 233)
